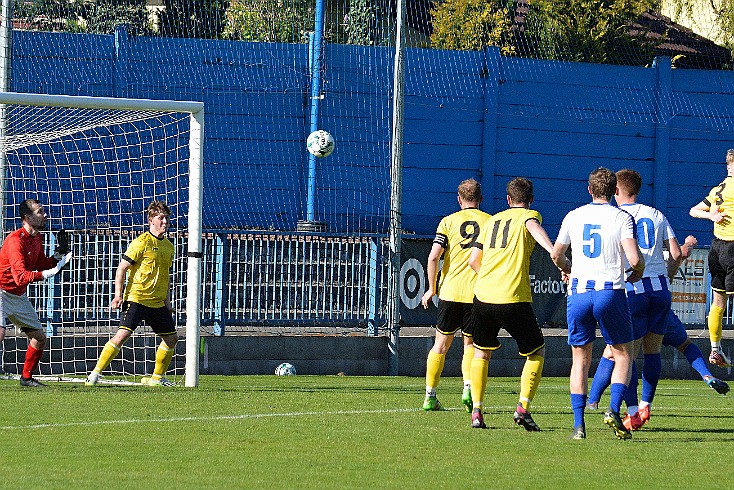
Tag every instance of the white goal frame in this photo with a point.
(196, 148)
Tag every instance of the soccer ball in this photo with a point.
(320, 143)
(285, 369)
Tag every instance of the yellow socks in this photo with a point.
(715, 317)
(466, 362)
(479, 368)
(434, 368)
(532, 373)
(109, 352)
(163, 357)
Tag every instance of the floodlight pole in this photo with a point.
(396, 191)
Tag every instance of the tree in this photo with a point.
(100, 17)
(269, 20)
(361, 22)
(573, 30)
(472, 25)
(103, 16)
(595, 31)
(192, 18)
(723, 14)
(725, 20)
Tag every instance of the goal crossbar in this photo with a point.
(85, 102)
(195, 164)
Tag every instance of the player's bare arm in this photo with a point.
(542, 238)
(685, 252)
(634, 258)
(558, 256)
(475, 259)
(120, 274)
(713, 213)
(433, 257)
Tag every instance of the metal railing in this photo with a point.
(250, 280)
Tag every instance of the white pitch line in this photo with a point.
(203, 419)
(487, 408)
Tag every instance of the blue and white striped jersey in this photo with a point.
(595, 232)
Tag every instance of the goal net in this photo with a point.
(95, 164)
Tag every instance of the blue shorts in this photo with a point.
(608, 308)
(649, 312)
(676, 333)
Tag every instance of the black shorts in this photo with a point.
(517, 318)
(158, 319)
(721, 265)
(453, 316)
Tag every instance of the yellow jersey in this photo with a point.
(722, 197)
(148, 277)
(457, 234)
(506, 243)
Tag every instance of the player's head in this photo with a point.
(729, 157)
(602, 183)
(470, 191)
(629, 182)
(520, 191)
(156, 208)
(32, 214)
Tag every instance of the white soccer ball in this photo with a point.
(320, 143)
(285, 369)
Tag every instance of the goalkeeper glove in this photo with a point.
(62, 244)
(55, 270)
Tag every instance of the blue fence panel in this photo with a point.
(467, 114)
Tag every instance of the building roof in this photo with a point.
(675, 39)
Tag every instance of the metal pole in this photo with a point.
(396, 191)
(193, 277)
(316, 44)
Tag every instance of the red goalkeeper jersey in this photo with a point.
(21, 261)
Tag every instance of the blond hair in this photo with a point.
(158, 207)
(470, 190)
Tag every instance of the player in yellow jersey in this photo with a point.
(718, 207)
(502, 297)
(454, 240)
(147, 261)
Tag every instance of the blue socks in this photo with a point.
(602, 379)
(616, 393)
(630, 396)
(650, 376)
(695, 358)
(578, 403)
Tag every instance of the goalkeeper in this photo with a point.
(22, 261)
(147, 261)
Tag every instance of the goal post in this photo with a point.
(96, 162)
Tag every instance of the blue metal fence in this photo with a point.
(249, 279)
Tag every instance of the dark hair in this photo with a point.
(25, 208)
(520, 190)
(470, 190)
(630, 181)
(602, 183)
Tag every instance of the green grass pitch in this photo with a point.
(348, 432)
